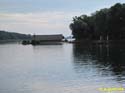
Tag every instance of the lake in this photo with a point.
(66, 68)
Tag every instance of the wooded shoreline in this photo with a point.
(99, 42)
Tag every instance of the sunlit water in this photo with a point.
(66, 68)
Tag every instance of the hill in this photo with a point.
(4, 35)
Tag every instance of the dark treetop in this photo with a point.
(107, 23)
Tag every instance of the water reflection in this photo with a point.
(106, 60)
(65, 68)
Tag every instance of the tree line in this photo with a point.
(105, 24)
(4, 35)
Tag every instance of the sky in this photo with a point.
(46, 16)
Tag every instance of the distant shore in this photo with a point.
(10, 40)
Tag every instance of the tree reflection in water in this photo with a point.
(109, 60)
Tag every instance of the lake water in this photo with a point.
(66, 68)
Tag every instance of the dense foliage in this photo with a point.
(13, 36)
(108, 23)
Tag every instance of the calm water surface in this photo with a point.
(67, 68)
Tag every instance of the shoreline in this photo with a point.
(101, 42)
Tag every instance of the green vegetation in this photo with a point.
(13, 36)
(105, 24)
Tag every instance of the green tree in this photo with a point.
(108, 23)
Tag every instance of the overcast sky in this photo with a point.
(46, 16)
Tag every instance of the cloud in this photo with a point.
(39, 23)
